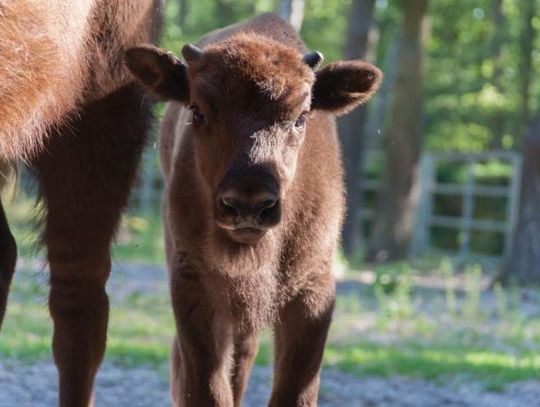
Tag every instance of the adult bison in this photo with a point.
(253, 203)
(70, 109)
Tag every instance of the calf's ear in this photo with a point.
(163, 74)
(343, 85)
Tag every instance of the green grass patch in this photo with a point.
(492, 368)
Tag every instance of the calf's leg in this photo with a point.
(245, 350)
(204, 346)
(300, 337)
(8, 256)
(85, 175)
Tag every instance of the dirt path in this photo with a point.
(35, 385)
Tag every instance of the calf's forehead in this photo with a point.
(252, 70)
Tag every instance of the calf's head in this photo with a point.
(250, 100)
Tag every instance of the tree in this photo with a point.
(523, 263)
(182, 15)
(498, 38)
(527, 36)
(225, 11)
(351, 126)
(293, 12)
(392, 229)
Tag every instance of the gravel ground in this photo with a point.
(35, 385)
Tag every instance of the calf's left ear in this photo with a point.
(342, 86)
(163, 74)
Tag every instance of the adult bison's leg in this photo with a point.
(205, 345)
(245, 350)
(300, 336)
(85, 175)
(8, 256)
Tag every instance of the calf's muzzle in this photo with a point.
(248, 205)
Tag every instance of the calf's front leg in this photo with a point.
(245, 350)
(300, 336)
(202, 349)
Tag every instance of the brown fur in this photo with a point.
(57, 55)
(251, 84)
(70, 110)
(263, 63)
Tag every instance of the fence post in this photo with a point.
(147, 182)
(512, 207)
(421, 232)
(468, 209)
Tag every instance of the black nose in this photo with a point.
(262, 209)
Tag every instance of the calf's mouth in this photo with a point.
(246, 232)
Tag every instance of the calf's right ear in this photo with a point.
(163, 74)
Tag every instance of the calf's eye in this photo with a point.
(301, 121)
(198, 116)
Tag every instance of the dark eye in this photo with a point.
(301, 121)
(198, 116)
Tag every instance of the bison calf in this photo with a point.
(253, 203)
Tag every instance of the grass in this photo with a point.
(493, 369)
(391, 327)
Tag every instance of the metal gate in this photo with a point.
(468, 190)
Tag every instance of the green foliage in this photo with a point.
(323, 29)
(325, 26)
(395, 303)
(391, 278)
(468, 91)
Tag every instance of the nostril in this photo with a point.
(229, 206)
(269, 212)
(269, 203)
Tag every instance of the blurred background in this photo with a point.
(441, 245)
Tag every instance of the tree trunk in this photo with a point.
(523, 263)
(293, 12)
(499, 23)
(392, 230)
(351, 127)
(379, 107)
(182, 15)
(526, 44)
(225, 12)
